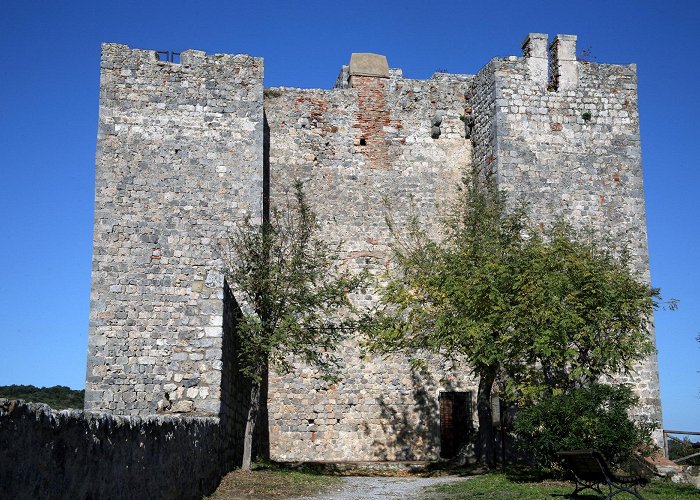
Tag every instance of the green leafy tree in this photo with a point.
(593, 417)
(539, 313)
(294, 299)
(59, 397)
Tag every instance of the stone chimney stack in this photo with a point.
(563, 65)
(368, 65)
(535, 51)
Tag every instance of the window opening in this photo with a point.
(168, 56)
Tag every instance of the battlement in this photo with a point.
(186, 150)
(116, 54)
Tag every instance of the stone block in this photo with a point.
(368, 64)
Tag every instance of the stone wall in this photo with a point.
(569, 146)
(179, 161)
(77, 455)
(185, 150)
(357, 149)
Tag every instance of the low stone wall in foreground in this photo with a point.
(72, 454)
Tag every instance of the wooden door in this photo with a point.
(455, 422)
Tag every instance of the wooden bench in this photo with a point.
(590, 471)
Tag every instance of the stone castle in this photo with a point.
(187, 149)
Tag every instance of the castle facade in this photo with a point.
(187, 149)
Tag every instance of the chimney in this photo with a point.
(563, 66)
(535, 52)
(368, 65)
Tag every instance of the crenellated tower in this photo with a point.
(179, 161)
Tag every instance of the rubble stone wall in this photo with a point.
(179, 161)
(360, 152)
(77, 455)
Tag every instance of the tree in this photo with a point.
(59, 397)
(294, 299)
(538, 312)
(679, 448)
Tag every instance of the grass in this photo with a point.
(272, 483)
(499, 486)
(277, 482)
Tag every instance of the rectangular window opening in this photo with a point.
(168, 56)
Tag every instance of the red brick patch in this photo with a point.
(372, 116)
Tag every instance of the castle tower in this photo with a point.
(570, 146)
(179, 161)
(184, 151)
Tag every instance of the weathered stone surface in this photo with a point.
(179, 161)
(366, 64)
(77, 455)
(181, 158)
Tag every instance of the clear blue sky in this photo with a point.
(49, 78)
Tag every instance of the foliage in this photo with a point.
(58, 397)
(581, 313)
(292, 292)
(501, 486)
(294, 299)
(678, 448)
(595, 417)
(540, 311)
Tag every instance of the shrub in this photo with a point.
(678, 448)
(594, 417)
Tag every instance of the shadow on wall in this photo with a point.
(266, 168)
(76, 455)
(411, 425)
(235, 388)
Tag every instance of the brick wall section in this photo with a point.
(179, 160)
(373, 120)
(77, 455)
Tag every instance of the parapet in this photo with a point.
(117, 55)
(535, 52)
(563, 65)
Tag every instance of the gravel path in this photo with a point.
(381, 488)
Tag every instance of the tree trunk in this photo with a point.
(486, 451)
(253, 412)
